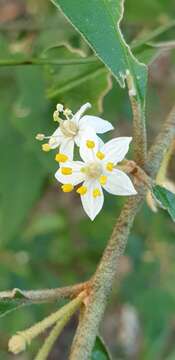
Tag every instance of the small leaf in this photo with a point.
(100, 352)
(166, 199)
(11, 300)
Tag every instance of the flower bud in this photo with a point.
(17, 344)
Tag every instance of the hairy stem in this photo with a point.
(108, 267)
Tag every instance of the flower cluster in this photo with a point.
(98, 168)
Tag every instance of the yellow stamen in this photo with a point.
(109, 166)
(61, 157)
(46, 147)
(82, 190)
(40, 137)
(90, 144)
(96, 192)
(66, 170)
(100, 155)
(103, 179)
(67, 112)
(67, 188)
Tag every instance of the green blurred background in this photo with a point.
(46, 240)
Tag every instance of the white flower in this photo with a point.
(71, 130)
(96, 172)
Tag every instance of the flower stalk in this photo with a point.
(19, 342)
(55, 332)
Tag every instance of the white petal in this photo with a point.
(99, 125)
(56, 138)
(80, 112)
(118, 183)
(100, 142)
(91, 205)
(116, 149)
(67, 147)
(88, 155)
(75, 178)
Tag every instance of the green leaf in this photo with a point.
(11, 300)
(75, 85)
(100, 352)
(99, 22)
(166, 199)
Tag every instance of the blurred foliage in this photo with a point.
(45, 238)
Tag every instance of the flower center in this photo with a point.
(93, 170)
(69, 128)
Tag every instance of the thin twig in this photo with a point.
(45, 295)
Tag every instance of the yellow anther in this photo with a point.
(67, 188)
(66, 170)
(46, 147)
(82, 190)
(90, 144)
(96, 193)
(56, 116)
(109, 166)
(103, 179)
(67, 112)
(100, 155)
(40, 137)
(61, 157)
(60, 107)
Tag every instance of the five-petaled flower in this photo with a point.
(96, 172)
(72, 129)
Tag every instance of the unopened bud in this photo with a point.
(40, 137)
(17, 344)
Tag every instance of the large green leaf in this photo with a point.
(99, 22)
(75, 85)
(100, 352)
(166, 199)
